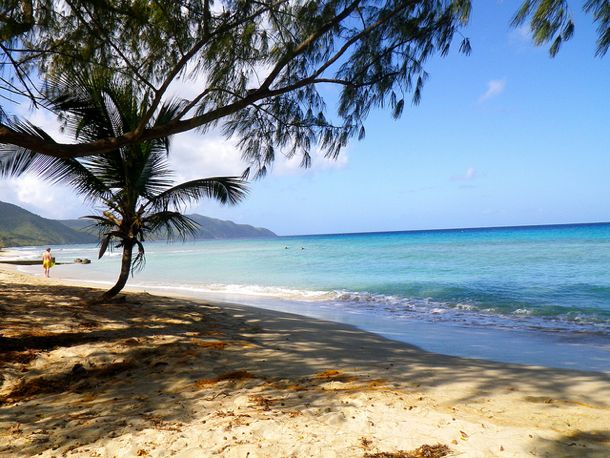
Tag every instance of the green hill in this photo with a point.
(19, 227)
(210, 228)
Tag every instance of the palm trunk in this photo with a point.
(124, 275)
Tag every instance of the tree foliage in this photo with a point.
(551, 22)
(254, 68)
(258, 69)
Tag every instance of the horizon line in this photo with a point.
(452, 229)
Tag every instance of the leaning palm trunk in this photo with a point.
(125, 270)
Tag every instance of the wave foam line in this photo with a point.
(394, 305)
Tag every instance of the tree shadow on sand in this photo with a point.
(590, 444)
(73, 373)
(71, 370)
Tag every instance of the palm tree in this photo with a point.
(132, 183)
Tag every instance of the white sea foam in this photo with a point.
(392, 305)
(462, 306)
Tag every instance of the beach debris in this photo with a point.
(425, 451)
(160, 424)
(211, 344)
(335, 376)
(287, 385)
(365, 443)
(230, 376)
(262, 401)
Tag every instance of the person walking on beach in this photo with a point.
(47, 262)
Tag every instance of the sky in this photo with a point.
(506, 136)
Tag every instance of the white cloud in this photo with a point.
(494, 88)
(521, 36)
(34, 194)
(522, 33)
(195, 155)
(46, 121)
(469, 175)
(43, 198)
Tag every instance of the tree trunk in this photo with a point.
(124, 275)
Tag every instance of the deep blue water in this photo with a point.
(537, 280)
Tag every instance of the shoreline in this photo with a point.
(161, 375)
(559, 350)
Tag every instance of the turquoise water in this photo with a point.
(533, 282)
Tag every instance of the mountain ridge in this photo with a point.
(209, 228)
(20, 227)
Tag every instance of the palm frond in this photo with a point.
(15, 161)
(171, 225)
(104, 245)
(104, 227)
(78, 101)
(153, 172)
(226, 190)
(95, 106)
(139, 261)
(168, 112)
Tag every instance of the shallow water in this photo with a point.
(535, 295)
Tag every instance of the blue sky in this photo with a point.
(505, 136)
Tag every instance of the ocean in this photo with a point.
(531, 295)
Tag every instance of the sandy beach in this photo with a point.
(167, 376)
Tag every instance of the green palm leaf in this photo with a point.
(15, 161)
(171, 225)
(227, 190)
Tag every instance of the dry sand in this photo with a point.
(159, 377)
